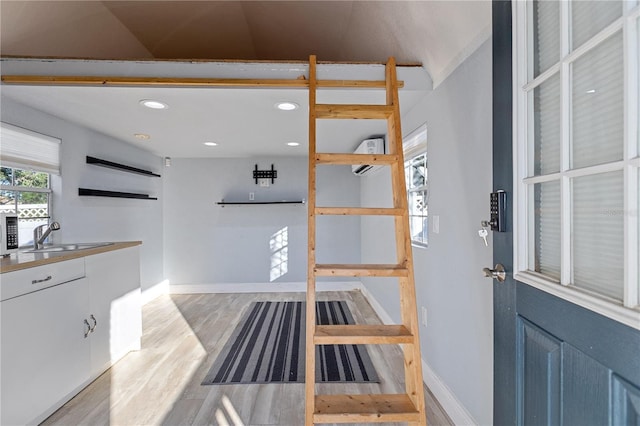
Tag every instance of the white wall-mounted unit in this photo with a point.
(368, 146)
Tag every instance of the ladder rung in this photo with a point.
(365, 84)
(362, 334)
(364, 408)
(361, 270)
(359, 211)
(346, 159)
(353, 111)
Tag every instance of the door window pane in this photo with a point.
(598, 233)
(546, 121)
(546, 241)
(590, 17)
(598, 110)
(546, 35)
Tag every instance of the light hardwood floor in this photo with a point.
(182, 335)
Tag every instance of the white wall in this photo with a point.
(457, 345)
(90, 219)
(209, 244)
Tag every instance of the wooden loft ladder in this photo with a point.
(364, 408)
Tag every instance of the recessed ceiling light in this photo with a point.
(591, 91)
(293, 143)
(287, 106)
(210, 144)
(150, 103)
(142, 136)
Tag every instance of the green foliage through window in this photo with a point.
(16, 196)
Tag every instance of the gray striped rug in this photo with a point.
(268, 346)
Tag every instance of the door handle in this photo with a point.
(88, 330)
(498, 273)
(95, 323)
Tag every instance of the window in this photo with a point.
(576, 144)
(415, 170)
(27, 194)
(27, 160)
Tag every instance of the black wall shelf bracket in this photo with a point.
(223, 203)
(117, 166)
(265, 174)
(113, 194)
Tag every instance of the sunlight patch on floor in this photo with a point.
(231, 412)
(161, 390)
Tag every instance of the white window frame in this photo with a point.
(629, 311)
(414, 145)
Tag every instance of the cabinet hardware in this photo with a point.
(95, 323)
(88, 330)
(42, 280)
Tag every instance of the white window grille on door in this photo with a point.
(576, 143)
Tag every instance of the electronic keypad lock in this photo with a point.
(498, 211)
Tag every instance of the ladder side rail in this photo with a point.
(408, 302)
(310, 367)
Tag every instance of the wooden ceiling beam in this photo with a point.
(300, 82)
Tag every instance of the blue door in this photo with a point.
(555, 363)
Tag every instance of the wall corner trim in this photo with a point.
(447, 399)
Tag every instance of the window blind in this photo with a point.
(547, 229)
(548, 120)
(415, 142)
(596, 132)
(598, 104)
(546, 35)
(27, 150)
(590, 17)
(598, 233)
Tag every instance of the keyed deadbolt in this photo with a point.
(498, 273)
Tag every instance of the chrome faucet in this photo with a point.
(39, 235)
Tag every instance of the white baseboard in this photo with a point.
(450, 404)
(262, 287)
(154, 291)
(448, 401)
(382, 313)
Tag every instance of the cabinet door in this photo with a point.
(45, 356)
(115, 303)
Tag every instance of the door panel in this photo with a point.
(626, 403)
(611, 343)
(555, 363)
(585, 389)
(539, 364)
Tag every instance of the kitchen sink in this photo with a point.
(68, 247)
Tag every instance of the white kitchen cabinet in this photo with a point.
(63, 324)
(45, 356)
(115, 303)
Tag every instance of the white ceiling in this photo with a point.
(438, 34)
(244, 122)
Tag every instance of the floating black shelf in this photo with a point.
(249, 203)
(117, 166)
(113, 194)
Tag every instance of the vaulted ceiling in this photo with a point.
(438, 34)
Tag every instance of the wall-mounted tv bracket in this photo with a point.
(265, 174)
